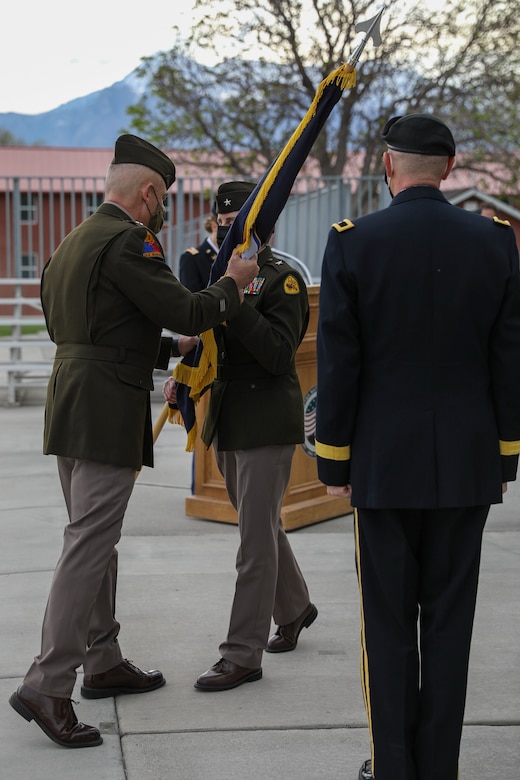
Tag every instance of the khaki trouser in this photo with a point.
(79, 625)
(269, 581)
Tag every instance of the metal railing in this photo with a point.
(36, 213)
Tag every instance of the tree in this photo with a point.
(243, 79)
(8, 139)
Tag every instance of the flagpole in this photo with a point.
(159, 423)
(255, 220)
(158, 426)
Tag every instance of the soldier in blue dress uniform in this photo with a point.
(195, 263)
(418, 422)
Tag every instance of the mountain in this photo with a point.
(90, 121)
(93, 121)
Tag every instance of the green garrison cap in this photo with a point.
(419, 134)
(232, 195)
(131, 149)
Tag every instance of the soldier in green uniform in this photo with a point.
(107, 292)
(254, 420)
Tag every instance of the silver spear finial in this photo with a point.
(370, 28)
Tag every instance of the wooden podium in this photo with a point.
(306, 500)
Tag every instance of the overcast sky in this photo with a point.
(53, 51)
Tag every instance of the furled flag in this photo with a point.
(255, 222)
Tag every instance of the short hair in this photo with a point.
(209, 222)
(128, 177)
(417, 164)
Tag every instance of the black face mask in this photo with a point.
(387, 184)
(222, 231)
(156, 220)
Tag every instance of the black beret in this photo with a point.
(131, 149)
(419, 134)
(232, 195)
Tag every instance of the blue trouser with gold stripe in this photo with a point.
(418, 575)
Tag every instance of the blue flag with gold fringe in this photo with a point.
(251, 228)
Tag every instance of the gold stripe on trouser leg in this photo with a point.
(365, 677)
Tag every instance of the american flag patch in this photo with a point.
(254, 287)
(151, 247)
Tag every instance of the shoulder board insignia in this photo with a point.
(193, 250)
(254, 287)
(291, 286)
(151, 247)
(345, 224)
(505, 222)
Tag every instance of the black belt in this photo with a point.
(98, 352)
(225, 372)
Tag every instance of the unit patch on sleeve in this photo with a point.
(345, 224)
(290, 285)
(151, 247)
(254, 287)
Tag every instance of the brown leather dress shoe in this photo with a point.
(286, 637)
(56, 717)
(123, 678)
(225, 675)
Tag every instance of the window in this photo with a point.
(94, 199)
(28, 208)
(29, 266)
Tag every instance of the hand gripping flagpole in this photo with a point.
(256, 220)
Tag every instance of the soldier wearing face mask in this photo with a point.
(107, 293)
(254, 421)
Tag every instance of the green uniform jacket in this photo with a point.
(256, 400)
(106, 293)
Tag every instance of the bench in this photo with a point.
(25, 362)
(25, 359)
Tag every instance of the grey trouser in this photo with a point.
(269, 581)
(79, 625)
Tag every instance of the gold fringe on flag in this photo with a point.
(345, 78)
(200, 376)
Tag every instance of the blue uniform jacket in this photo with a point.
(419, 356)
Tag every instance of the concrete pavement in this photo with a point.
(305, 719)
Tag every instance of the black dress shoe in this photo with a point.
(225, 675)
(286, 637)
(123, 678)
(56, 717)
(365, 773)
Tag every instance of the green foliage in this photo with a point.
(27, 330)
(8, 139)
